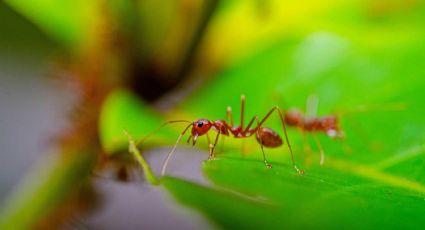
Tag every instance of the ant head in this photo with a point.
(199, 128)
(294, 117)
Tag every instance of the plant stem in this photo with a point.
(145, 166)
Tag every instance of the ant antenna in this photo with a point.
(164, 166)
(157, 129)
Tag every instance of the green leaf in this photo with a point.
(201, 198)
(371, 180)
(340, 194)
(327, 197)
(73, 24)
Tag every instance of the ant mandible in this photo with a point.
(266, 137)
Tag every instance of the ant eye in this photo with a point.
(200, 124)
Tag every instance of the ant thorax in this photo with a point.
(221, 127)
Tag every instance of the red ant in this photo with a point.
(266, 137)
(313, 124)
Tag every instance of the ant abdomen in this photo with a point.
(268, 138)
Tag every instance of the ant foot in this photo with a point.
(269, 166)
(299, 171)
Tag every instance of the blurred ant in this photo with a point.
(329, 125)
(311, 123)
(266, 137)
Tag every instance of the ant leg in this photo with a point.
(229, 115)
(322, 153)
(243, 143)
(188, 139)
(211, 147)
(164, 166)
(261, 144)
(249, 124)
(282, 120)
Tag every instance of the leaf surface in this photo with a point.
(372, 179)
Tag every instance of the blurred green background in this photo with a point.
(74, 75)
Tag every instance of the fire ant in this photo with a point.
(266, 137)
(311, 123)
